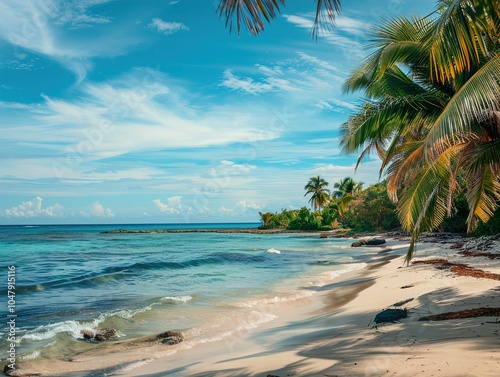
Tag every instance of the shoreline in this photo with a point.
(329, 333)
(334, 336)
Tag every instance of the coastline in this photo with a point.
(330, 333)
(333, 335)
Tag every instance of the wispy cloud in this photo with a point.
(348, 34)
(140, 111)
(244, 84)
(230, 168)
(166, 28)
(41, 27)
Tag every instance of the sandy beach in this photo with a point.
(332, 332)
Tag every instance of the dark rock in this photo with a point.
(170, 337)
(370, 242)
(100, 335)
(171, 340)
(375, 242)
(103, 334)
(390, 315)
(87, 334)
(358, 243)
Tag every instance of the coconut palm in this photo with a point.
(265, 218)
(253, 13)
(320, 197)
(346, 187)
(433, 88)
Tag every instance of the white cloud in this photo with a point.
(226, 210)
(34, 208)
(246, 84)
(167, 28)
(304, 79)
(348, 33)
(98, 210)
(245, 204)
(172, 207)
(335, 105)
(41, 27)
(230, 168)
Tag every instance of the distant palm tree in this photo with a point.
(265, 218)
(346, 187)
(320, 197)
(253, 13)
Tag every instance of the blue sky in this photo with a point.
(151, 111)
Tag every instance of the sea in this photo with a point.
(209, 285)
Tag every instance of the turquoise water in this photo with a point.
(70, 278)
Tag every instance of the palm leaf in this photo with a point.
(481, 94)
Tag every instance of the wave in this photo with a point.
(272, 250)
(73, 328)
(176, 299)
(115, 273)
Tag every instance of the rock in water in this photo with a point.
(371, 242)
(358, 243)
(103, 334)
(100, 335)
(170, 337)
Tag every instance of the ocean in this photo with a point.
(208, 285)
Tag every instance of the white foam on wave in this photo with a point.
(176, 299)
(276, 299)
(272, 250)
(73, 328)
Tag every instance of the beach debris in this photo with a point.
(100, 335)
(401, 303)
(323, 235)
(457, 245)
(468, 253)
(369, 242)
(407, 286)
(460, 269)
(467, 313)
(170, 337)
(390, 315)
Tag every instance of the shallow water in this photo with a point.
(209, 285)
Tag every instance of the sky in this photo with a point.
(154, 112)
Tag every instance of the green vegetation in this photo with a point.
(349, 207)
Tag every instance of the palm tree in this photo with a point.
(317, 186)
(346, 187)
(253, 13)
(433, 88)
(265, 218)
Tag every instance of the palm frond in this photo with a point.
(480, 95)
(455, 43)
(254, 13)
